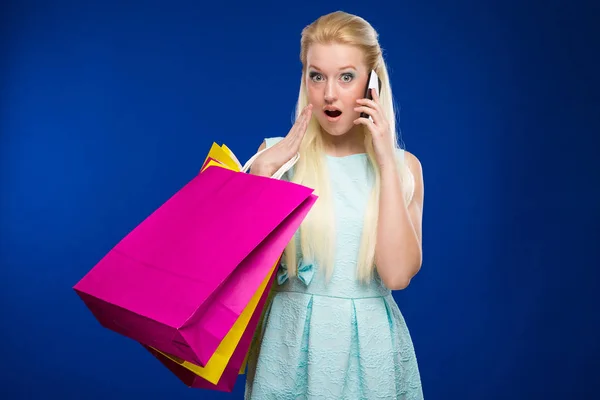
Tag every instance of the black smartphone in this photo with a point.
(375, 83)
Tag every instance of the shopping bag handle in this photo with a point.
(277, 175)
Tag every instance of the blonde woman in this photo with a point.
(332, 329)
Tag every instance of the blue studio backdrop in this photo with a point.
(107, 108)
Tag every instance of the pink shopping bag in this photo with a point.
(180, 279)
(229, 377)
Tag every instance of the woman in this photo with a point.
(332, 329)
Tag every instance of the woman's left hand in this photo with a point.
(379, 127)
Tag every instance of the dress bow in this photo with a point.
(305, 272)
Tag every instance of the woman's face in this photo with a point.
(336, 77)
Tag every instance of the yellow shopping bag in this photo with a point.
(221, 156)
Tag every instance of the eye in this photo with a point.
(347, 77)
(314, 75)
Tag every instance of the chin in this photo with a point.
(338, 128)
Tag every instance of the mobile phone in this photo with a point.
(375, 83)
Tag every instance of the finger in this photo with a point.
(368, 103)
(305, 117)
(374, 106)
(303, 127)
(298, 120)
(297, 123)
(375, 95)
(304, 114)
(299, 129)
(368, 123)
(369, 111)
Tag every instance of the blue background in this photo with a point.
(107, 109)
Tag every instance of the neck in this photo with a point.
(352, 142)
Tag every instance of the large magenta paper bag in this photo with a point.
(180, 279)
(229, 377)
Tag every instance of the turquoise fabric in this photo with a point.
(336, 340)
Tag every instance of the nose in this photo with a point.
(330, 92)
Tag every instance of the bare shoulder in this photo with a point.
(262, 146)
(416, 170)
(414, 164)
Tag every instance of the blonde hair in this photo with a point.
(317, 233)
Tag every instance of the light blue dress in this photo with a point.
(336, 340)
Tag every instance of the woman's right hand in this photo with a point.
(275, 156)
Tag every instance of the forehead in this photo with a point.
(332, 57)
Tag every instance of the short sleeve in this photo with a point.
(273, 140)
(400, 153)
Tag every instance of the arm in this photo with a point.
(398, 252)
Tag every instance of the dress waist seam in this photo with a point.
(334, 297)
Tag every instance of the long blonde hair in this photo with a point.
(317, 232)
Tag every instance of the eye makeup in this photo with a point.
(346, 77)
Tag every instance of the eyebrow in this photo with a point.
(345, 67)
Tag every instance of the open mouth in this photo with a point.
(333, 113)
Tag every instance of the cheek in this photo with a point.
(313, 94)
(351, 96)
